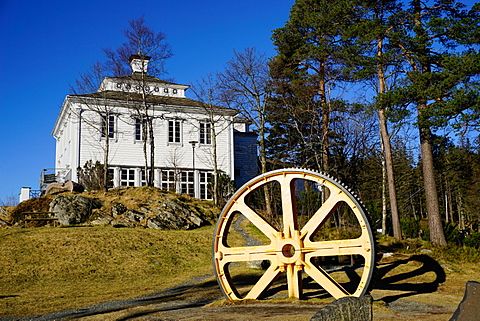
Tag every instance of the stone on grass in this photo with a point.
(347, 309)
(71, 210)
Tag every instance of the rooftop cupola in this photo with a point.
(139, 63)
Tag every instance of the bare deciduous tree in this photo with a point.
(244, 87)
(219, 118)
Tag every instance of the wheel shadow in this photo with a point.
(398, 282)
(176, 298)
(385, 278)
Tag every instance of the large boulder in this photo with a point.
(173, 214)
(73, 209)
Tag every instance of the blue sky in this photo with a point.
(46, 44)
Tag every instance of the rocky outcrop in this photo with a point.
(171, 214)
(3, 211)
(165, 213)
(70, 210)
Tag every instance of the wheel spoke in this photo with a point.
(319, 218)
(288, 206)
(326, 281)
(263, 283)
(294, 281)
(359, 246)
(245, 254)
(255, 219)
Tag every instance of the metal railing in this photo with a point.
(35, 193)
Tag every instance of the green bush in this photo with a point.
(410, 227)
(473, 240)
(452, 233)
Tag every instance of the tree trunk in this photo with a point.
(392, 192)
(263, 164)
(437, 236)
(387, 150)
(384, 196)
(325, 119)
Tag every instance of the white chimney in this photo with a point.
(139, 63)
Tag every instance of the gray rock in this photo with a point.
(118, 209)
(134, 216)
(347, 309)
(173, 214)
(467, 310)
(73, 209)
(102, 221)
(122, 223)
(3, 211)
(4, 223)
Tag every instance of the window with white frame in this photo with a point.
(143, 180)
(203, 184)
(110, 176)
(169, 180)
(187, 183)
(139, 129)
(108, 126)
(205, 133)
(174, 131)
(127, 177)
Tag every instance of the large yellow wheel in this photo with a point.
(295, 244)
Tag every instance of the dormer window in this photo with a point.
(175, 91)
(119, 85)
(165, 90)
(156, 89)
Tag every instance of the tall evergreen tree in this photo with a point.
(439, 41)
(306, 70)
(372, 59)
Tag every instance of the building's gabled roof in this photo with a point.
(126, 97)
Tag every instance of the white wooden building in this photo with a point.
(183, 134)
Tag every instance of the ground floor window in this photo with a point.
(111, 173)
(174, 180)
(168, 180)
(187, 183)
(204, 191)
(127, 177)
(143, 178)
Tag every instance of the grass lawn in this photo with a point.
(47, 269)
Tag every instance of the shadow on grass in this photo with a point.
(394, 282)
(179, 297)
(200, 292)
(382, 280)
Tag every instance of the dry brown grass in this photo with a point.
(47, 269)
